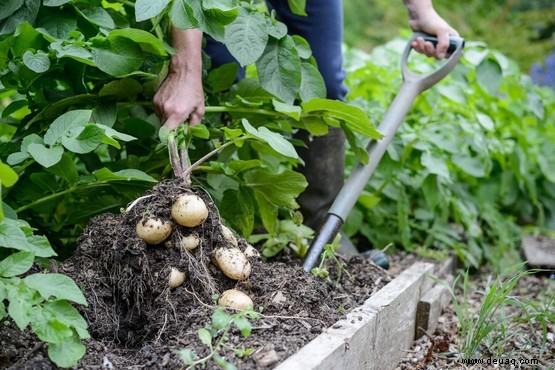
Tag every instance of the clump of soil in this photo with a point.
(135, 319)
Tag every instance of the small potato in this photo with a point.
(153, 230)
(228, 235)
(233, 263)
(189, 210)
(176, 278)
(235, 299)
(250, 251)
(189, 242)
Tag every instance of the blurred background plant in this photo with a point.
(470, 167)
(522, 29)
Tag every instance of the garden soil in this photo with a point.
(137, 322)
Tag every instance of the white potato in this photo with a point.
(232, 262)
(189, 242)
(228, 235)
(153, 230)
(189, 210)
(176, 278)
(236, 299)
(250, 251)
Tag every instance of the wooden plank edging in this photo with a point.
(372, 336)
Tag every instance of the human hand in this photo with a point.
(180, 98)
(429, 21)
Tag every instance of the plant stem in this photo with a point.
(185, 162)
(157, 28)
(128, 3)
(56, 195)
(174, 156)
(221, 109)
(214, 349)
(188, 171)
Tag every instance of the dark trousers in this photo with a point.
(324, 156)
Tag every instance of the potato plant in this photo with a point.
(77, 79)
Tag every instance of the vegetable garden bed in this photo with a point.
(137, 321)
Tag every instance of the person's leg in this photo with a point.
(323, 29)
(325, 156)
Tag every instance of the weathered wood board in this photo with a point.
(430, 308)
(374, 335)
(539, 251)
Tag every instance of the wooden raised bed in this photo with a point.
(376, 334)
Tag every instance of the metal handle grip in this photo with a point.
(433, 39)
(426, 81)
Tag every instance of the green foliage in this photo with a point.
(471, 164)
(77, 81)
(215, 335)
(526, 26)
(288, 233)
(39, 300)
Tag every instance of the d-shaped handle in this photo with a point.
(456, 46)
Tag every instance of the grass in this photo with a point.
(500, 318)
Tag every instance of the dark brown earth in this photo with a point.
(136, 321)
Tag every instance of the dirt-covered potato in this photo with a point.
(228, 235)
(236, 299)
(233, 263)
(189, 242)
(153, 230)
(250, 251)
(189, 210)
(176, 278)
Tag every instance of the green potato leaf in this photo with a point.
(56, 285)
(16, 263)
(279, 70)
(67, 352)
(117, 56)
(46, 157)
(246, 38)
(146, 9)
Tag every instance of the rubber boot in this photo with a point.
(324, 169)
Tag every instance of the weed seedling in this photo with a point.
(329, 254)
(215, 335)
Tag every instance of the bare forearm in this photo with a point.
(423, 17)
(180, 98)
(188, 44)
(416, 7)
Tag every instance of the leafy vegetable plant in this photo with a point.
(77, 79)
(329, 256)
(39, 300)
(35, 299)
